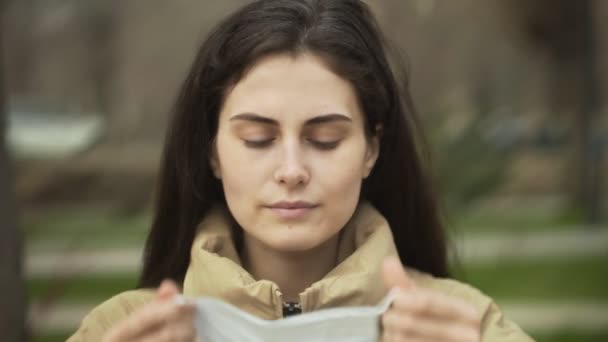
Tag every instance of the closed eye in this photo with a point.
(324, 145)
(258, 143)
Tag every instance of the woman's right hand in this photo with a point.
(161, 320)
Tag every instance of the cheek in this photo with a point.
(342, 173)
(239, 176)
(340, 181)
(238, 172)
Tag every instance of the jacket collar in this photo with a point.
(215, 267)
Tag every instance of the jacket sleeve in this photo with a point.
(99, 321)
(495, 327)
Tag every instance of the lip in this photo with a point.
(292, 210)
(292, 205)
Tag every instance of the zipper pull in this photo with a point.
(291, 308)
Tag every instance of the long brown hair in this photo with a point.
(345, 34)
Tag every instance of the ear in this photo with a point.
(214, 161)
(373, 151)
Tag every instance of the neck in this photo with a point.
(293, 272)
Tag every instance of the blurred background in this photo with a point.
(512, 94)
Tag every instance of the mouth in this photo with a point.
(293, 205)
(292, 210)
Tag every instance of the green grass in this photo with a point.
(71, 221)
(572, 336)
(524, 219)
(58, 336)
(90, 288)
(562, 279)
(86, 228)
(557, 279)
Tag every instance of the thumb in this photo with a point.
(167, 289)
(395, 275)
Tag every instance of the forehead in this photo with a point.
(292, 87)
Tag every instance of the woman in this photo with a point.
(291, 182)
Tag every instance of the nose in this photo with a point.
(292, 170)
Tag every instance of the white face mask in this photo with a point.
(218, 321)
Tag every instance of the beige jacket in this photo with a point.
(215, 270)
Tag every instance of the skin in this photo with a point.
(291, 130)
(160, 320)
(298, 131)
(424, 315)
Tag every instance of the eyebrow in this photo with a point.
(325, 118)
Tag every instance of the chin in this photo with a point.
(293, 243)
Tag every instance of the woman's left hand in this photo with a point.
(424, 315)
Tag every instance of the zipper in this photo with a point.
(291, 309)
(288, 308)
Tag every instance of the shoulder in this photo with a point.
(110, 312)
(494, 325)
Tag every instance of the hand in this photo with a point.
(424, 315)
(161, 320)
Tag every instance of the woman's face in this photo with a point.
(291, 152)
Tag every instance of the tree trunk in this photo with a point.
(590, 145)
(12, 302)
(563, 30)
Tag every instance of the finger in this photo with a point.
(392, 336)
(185, 330)
(395, 326)
(396, 336)
(411, 326)
(435, 304)
(167, 289)
(180, 328)
(175, 332)
(395, 275)
(148, 319)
